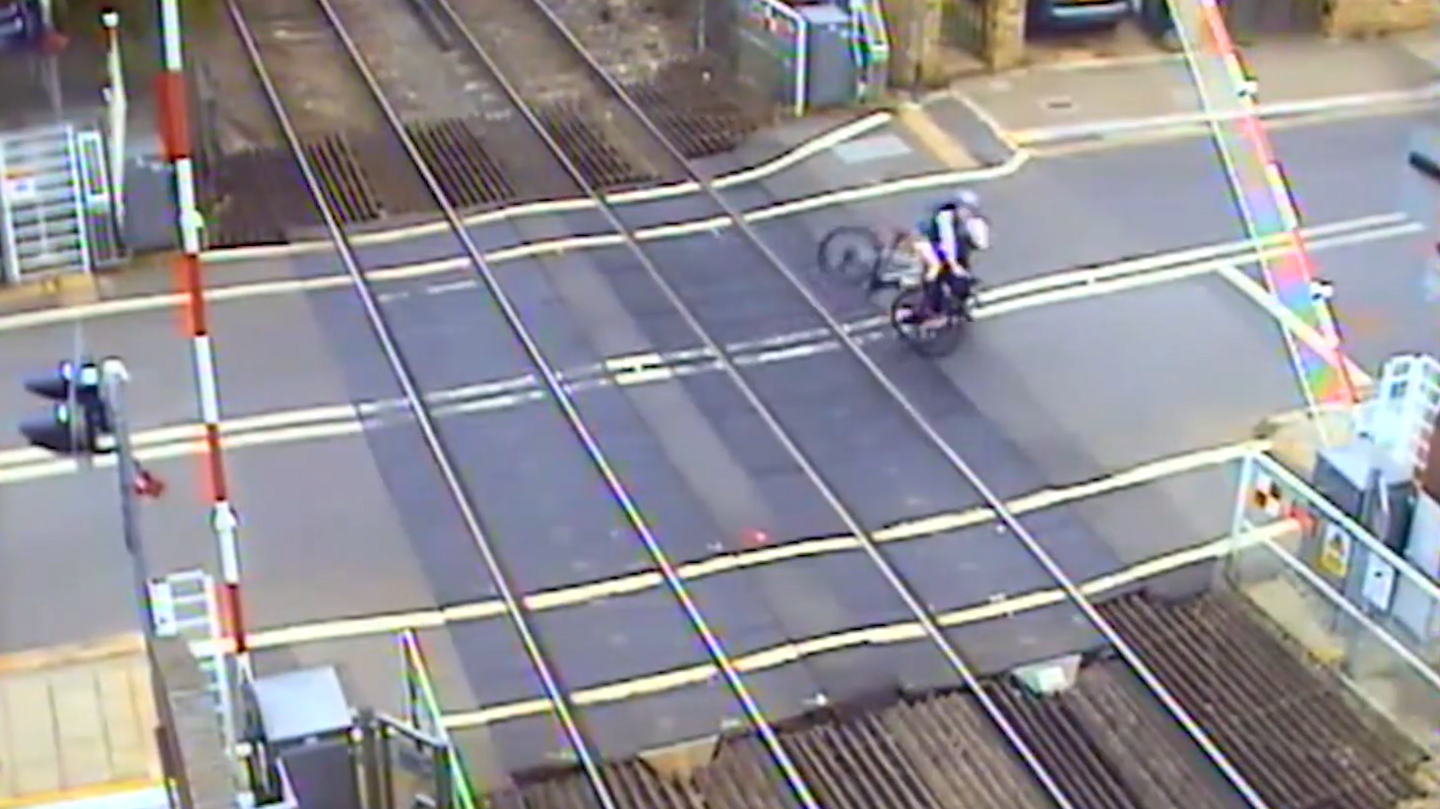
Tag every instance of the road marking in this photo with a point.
(905, 531)
(942, 146)
(22, 464)
(406, 272)
(899, 632)
(1312, 110)
(70, 654)
(95, 794)
(760, 171)
(1185, 132)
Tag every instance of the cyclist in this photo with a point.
(947, 237)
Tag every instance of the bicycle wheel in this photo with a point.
(852, 252)
(927, 340)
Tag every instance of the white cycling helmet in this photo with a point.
(966, 198)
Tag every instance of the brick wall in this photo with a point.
(1369, 17)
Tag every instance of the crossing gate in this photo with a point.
(1368, 589)
(771, 55)
(422, 712)
(870, 46)
(56, 204)
(185, 607)
(1402, 416)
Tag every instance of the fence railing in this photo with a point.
(422, 711)
(1355, 605)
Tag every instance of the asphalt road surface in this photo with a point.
(358, 522)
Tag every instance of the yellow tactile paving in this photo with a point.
(75, 723)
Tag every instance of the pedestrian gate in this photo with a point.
(184, 606)
(56, 207)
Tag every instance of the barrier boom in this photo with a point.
(1258, 186)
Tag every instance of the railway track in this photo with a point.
(455, 116)
(613, 136)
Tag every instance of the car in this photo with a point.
(1063, 16)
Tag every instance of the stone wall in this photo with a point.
(1005, 34)
(1347, 18)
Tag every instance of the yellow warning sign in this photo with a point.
(1334, 551)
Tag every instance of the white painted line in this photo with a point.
(760, 660)
(23, 464)
(906, 531)
(1044, 136)
(769, 168)
(49, 317)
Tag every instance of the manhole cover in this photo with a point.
(1060, 104)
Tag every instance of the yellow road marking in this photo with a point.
(872, 636)
(406, 272)
(21, 464)
(575, 595)
(85, 793)
(71, 654)
(941, 145)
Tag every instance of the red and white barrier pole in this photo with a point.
(175, 133)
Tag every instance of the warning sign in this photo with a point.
(20, 188)
(1335, 547)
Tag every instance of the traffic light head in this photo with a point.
(57, 431)
(69, 381)
(79, 423)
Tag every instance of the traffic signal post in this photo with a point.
(88, 419)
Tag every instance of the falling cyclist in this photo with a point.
(946, 239)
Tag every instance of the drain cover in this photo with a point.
(1058, 104)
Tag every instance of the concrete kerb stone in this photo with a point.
(1102, 130)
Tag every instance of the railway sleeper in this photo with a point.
(468, 171)
(343, 180)
(602, 163)
(1059, 742)
(700, 119)
(254, 196)
(1312, 766)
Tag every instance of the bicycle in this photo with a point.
(925, 338)
(859, 253)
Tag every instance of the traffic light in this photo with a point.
(79, 420)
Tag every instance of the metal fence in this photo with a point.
(1356, 607)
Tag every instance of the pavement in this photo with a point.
(1053, 105)
(345, 516)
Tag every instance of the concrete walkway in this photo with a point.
(1047, 105)
(75, 723)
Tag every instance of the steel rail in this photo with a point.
(568, 409)
(1003, 514)
(827, 490)
(555, 692)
